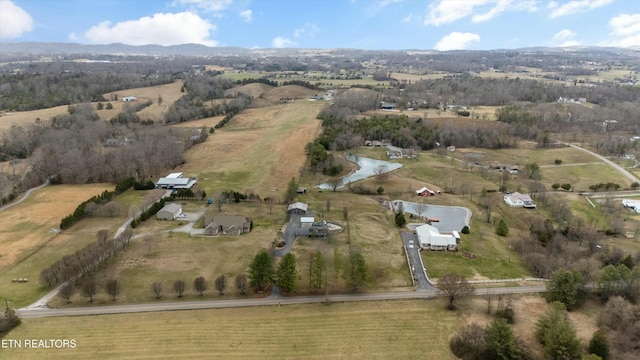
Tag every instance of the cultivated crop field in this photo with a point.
(28, 242)
(381, 329)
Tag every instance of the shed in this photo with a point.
(129, 98)
(169, 212)
(425, 192)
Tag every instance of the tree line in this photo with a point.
(39, 91)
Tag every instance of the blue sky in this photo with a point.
(362, 24)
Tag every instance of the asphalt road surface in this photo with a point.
(219, 304)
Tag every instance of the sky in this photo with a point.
(357, 24)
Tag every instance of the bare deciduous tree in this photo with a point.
(221, 284)
(157, 289)
(454, 287)
(381, 172)
(66, 292)
(200, 284)
(89, 288)
(112, 287)
(241, 283)
(103, 236)
(178, 287)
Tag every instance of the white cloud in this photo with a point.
(207, 5)
(161, 29)
(376, 6)
(282, 42)
(564, 34)
(308, 30)
(625, 28)
(14, 20)
(505, 5)
(575, 6)
(447, 11)
(457, 41)
(246, 15)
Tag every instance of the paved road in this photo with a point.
(620, 169)
(218, 304)
(25, 196)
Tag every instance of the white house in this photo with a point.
(430, 238)
(176, 181)
(169, 212)
(519, 200)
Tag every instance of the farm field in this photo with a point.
(169, 92)
(28, 244)
(260, 149)
(385, 329)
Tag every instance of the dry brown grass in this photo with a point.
(254, 90)
(260, 149)
(27, 244)
(169, 92)
(373, 330)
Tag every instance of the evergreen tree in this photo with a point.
(286, 274)
(565, 286)
(501, 342)
(261, 270)
(400, 219)
(599, 344)
(502, 228)
(356, 271)
(316, 272)
(556, 333)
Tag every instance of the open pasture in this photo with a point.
(169, 92)
(381, 329)
(30, 241)
(259, 149)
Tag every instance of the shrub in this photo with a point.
(465, 230)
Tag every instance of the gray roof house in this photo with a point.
(297, 208)
(169, 212)
(226, 225)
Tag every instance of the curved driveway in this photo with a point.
(620, 169)
(25, 196)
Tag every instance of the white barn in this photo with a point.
(176, 181)
(430, 238)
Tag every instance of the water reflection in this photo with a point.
(366, 168)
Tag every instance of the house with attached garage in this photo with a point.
(226, 225)
(170, 211)
(519, 200)
(430, 238)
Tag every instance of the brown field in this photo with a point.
(28, 244)
(169, 92)
(371, 330)
(260, 149)
(254, 90)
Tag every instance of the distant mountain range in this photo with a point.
(42, 48)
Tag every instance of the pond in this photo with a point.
(366, 168)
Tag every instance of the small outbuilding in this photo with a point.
(297, 208)
(425, 191)
(129, 98)
(169, 212)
